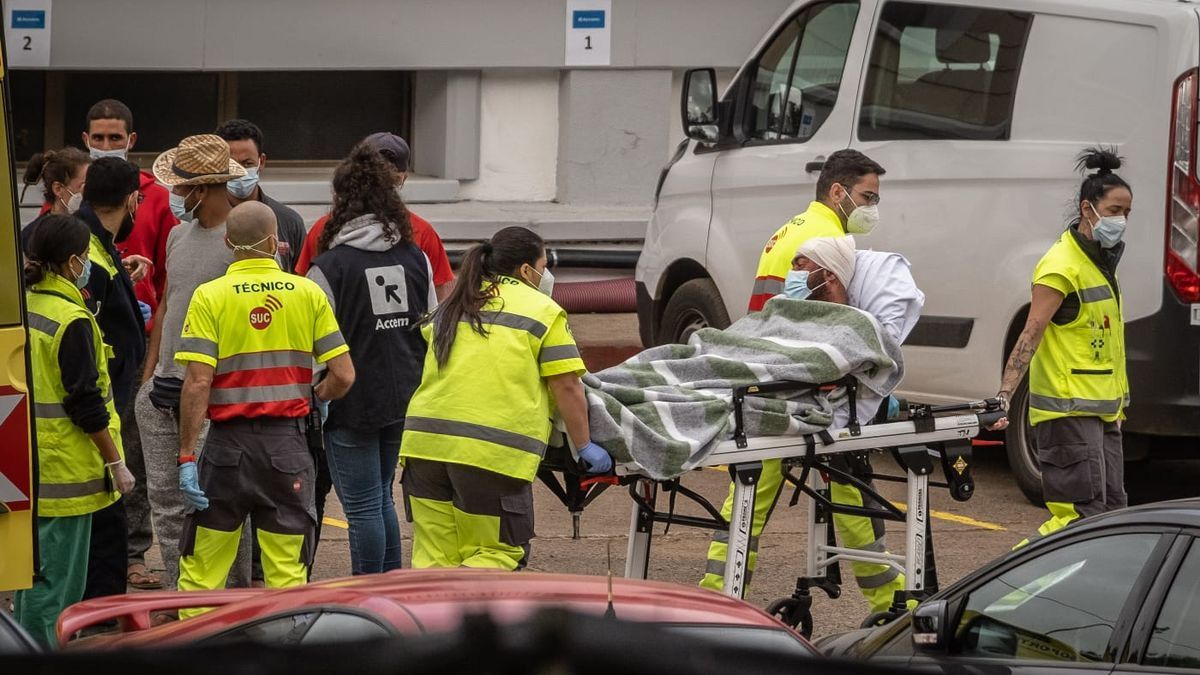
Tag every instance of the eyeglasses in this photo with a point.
(872, 198)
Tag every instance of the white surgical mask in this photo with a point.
(863, 219)
(179, 207)
(546, 284)
(253, 248)
(120, 153)
(243, 187)
(1108, 230)
(73, 202)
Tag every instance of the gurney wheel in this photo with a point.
(795, 612)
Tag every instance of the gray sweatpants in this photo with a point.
(159, 432)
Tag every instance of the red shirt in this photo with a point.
(151, 225)
(424, 237)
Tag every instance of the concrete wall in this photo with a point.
(395, 34)
(612, 138)
(518, 137)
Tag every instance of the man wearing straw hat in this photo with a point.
(195, 173)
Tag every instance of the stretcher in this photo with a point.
(927, 439)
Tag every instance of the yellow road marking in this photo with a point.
(955, 518)
(335, 522)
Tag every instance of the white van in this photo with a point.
(976, 109)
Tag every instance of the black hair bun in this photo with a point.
(1102, 160)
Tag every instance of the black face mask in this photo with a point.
(125, 230)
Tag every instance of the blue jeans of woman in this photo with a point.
(363, 465)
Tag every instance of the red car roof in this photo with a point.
(415, 601)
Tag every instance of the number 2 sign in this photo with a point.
(27, 33)
(589, 31)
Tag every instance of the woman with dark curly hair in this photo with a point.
(379, 284)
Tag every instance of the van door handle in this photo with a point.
(814, 167)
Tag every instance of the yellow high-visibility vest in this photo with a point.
(1079, 368)
(71, 472)
(776, 261)
(489, 406)
(260, 329)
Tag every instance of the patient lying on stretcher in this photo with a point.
(665, 409)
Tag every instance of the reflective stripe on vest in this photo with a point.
(488, 406)
(1079, 367)
(476, 432)
(776, 260)
(71, 472)
(260, 328)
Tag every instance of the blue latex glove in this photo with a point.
(595, 459)
(146, 313)
(189, 484)
(323, 408)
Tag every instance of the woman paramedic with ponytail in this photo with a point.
(501, 364)
(1073, 346)
(80, 466)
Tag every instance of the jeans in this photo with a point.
(363, 465)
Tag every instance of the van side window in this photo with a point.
(798, 75)
(941, 72)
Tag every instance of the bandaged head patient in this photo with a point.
(822, 270)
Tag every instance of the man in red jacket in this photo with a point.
(110, 134)
(395, 150)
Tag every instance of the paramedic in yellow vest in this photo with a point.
(501, 363)
(81, 469)
(1073, 346)
(847, 203)
(249, 341)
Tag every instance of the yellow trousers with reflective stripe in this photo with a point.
(207, 568)
(465, 516)
(878, 583)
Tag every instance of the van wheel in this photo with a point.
(1018, 443)
(696, 304)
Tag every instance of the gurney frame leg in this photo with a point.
(641, 529)
(737, 559)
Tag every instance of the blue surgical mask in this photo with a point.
(180, 209)
(796, 287)
(243, 187)
(82, 279)
(119, 153)
(1108, 230)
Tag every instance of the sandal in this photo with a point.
(141, 578)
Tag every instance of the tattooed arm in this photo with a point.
(1046, 302)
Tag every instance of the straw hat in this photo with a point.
(198, 160)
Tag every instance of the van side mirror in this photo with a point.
(699, 105)
(931, 627)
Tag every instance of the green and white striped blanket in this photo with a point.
(665, 409)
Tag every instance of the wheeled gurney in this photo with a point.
(930, 436)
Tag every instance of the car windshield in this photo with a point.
(744, 637)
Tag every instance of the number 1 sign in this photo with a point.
(27, 33)
(589, 32)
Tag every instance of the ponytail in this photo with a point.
(481, 267)
(54, 240)
(53, 166)
(1104, 162)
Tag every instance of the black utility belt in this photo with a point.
(298, 424)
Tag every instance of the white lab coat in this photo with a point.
(882, 286)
